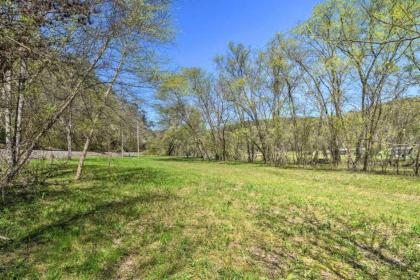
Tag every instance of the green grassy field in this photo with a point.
(155, 218)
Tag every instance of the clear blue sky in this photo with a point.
(204, 27)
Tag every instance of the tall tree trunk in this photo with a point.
(224, 153)
(122, 143)
(252, 151)
(294, 123)
(23, 76)
(69, 127)
(83, 155)
(366, 154)
(249, 151)
(7, 101)
(261, 135)
(334, 149)
(416, 163)
(7, 92)
(358, 151)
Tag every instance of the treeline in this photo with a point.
(340, 89)
(69, 71)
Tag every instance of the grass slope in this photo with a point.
(154, 218)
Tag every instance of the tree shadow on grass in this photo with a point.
(341, 247)
(61, 183)
(97, 200)
(35, 235)
(37, 181)
(140, 175)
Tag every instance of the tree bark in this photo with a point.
(417, 160)
(122, 143)
(69, 127)
(20, 106)
(7, 91)
(83, 155)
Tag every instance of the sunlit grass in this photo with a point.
(172, 218)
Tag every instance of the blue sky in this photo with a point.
(204, 27)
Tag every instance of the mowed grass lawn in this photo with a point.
(156, 218)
